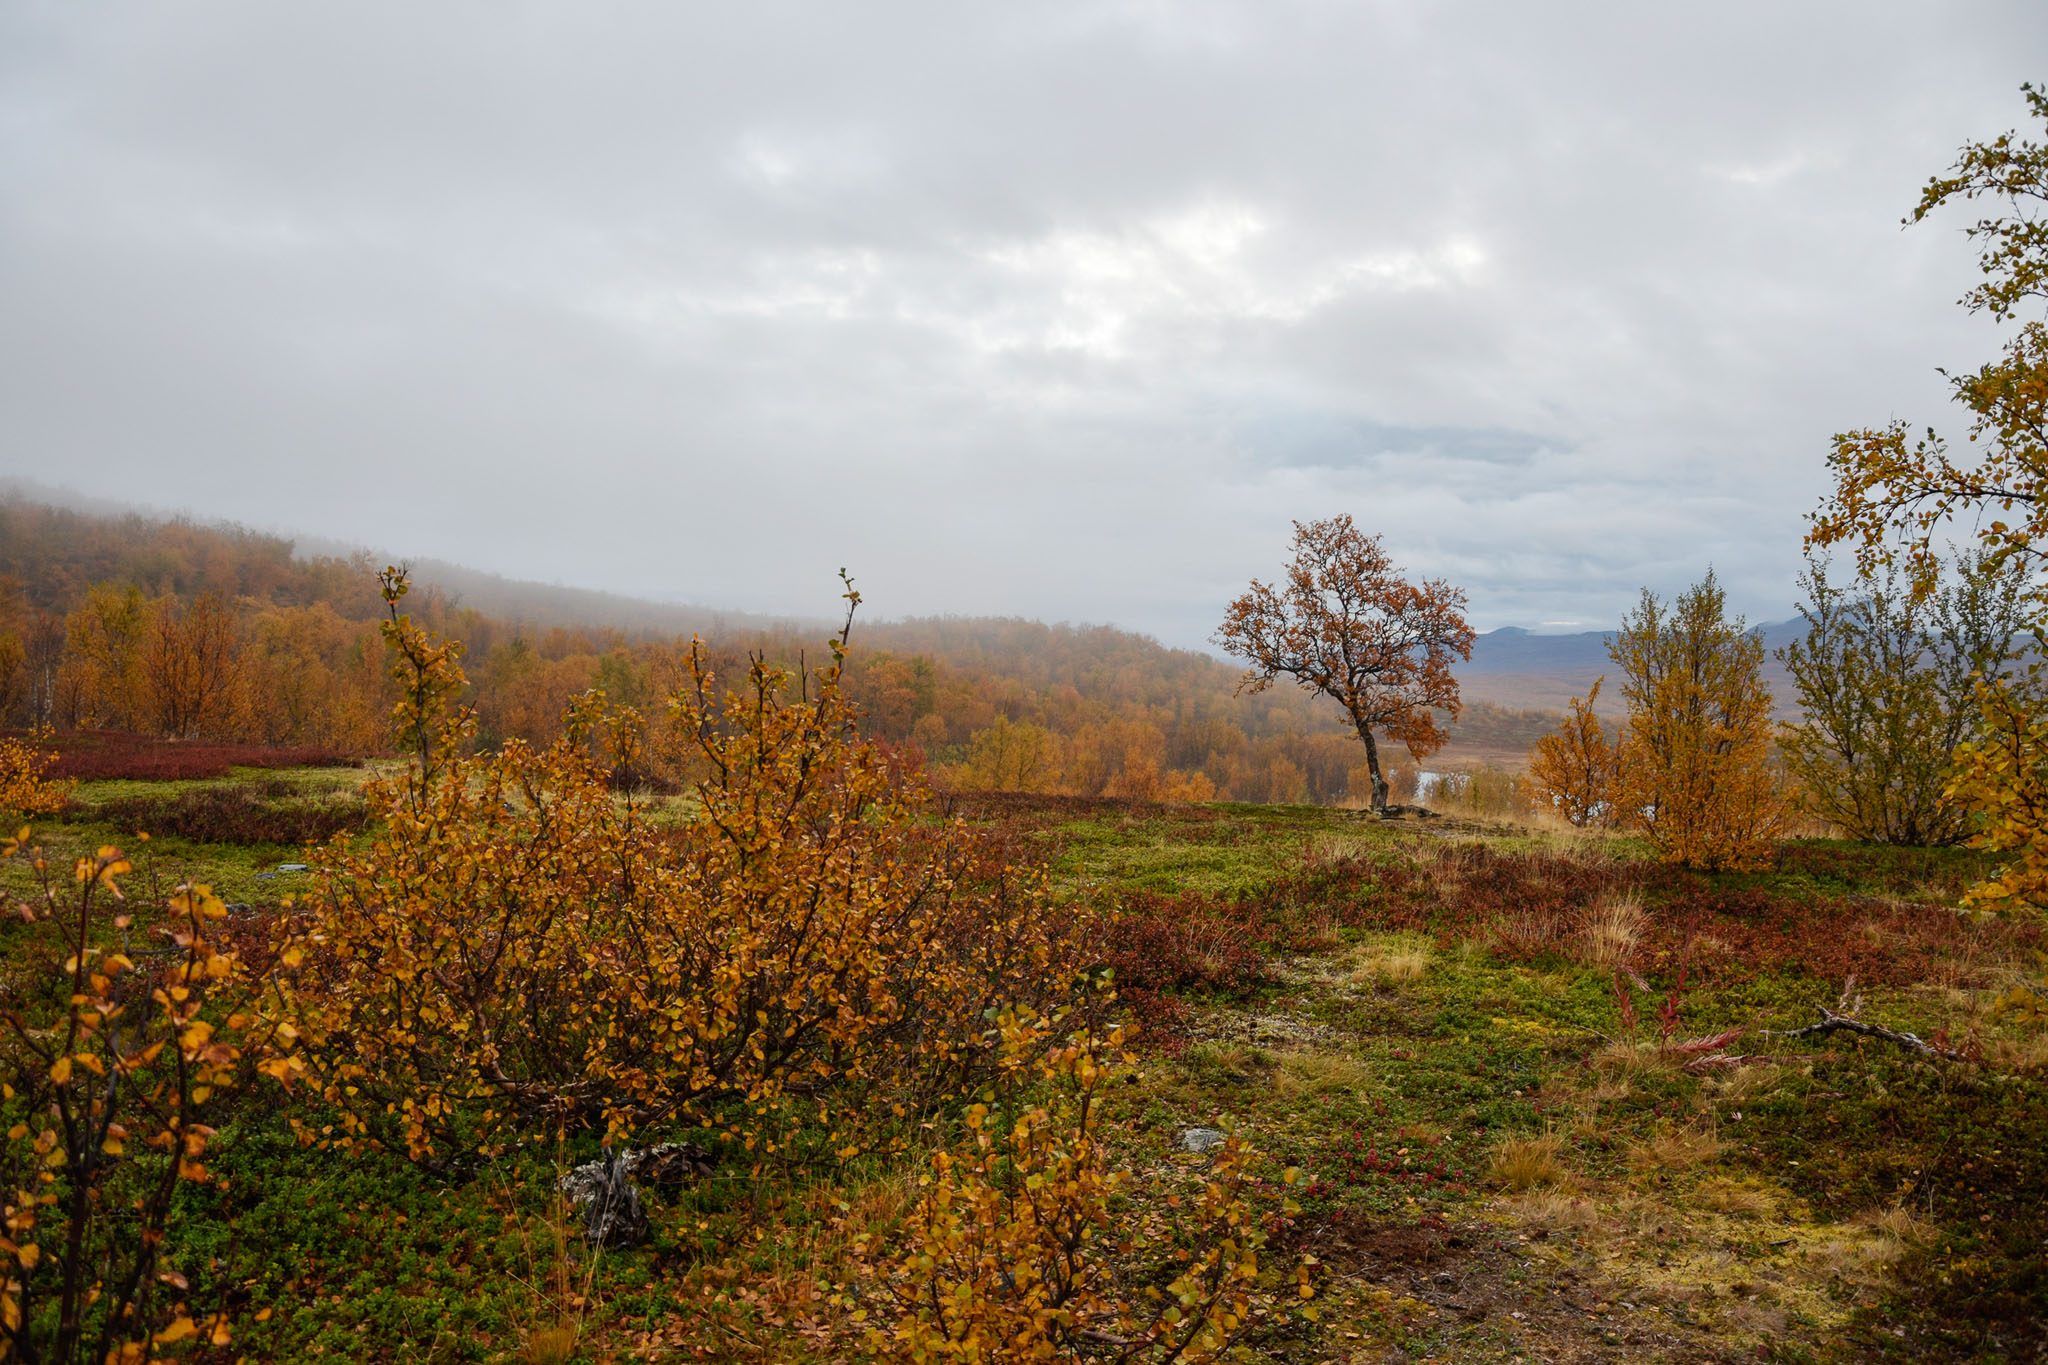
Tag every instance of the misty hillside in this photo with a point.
(85, 595)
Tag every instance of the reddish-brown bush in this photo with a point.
(1526, 906)
(1185, 942)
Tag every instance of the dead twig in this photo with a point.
(1831, 1022)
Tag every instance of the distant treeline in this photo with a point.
(127, 623)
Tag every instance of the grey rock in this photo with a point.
(1202, 1140)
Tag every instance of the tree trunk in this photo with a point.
(1372, 760)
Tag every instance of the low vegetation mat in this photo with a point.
(1492, 1095)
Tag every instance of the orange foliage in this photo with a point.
(1572, 770)
(990, 705)
(1695, 765)
(191, 665)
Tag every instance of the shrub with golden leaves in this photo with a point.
(26, 788)
(519, 950)
(1024, 1247)
(1695, 767)
(110, 1067)
(2001, 775)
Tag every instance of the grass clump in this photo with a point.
(1527, 1163)
(1394, 961)
(1614, 930)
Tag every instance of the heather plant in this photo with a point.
(806, 958)
(241, 815)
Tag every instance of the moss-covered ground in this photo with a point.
(1541, 1088)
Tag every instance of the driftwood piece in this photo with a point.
(612, 1213)
(1831, 1022)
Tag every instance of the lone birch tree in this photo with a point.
(1347, 624)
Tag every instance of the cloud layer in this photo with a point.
(1057, 310)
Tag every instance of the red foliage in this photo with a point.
(1525, 906)
(1182, 942)
(95, 755)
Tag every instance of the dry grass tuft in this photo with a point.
(2024, 1054)
(1677, 1149)
(1622, 1059)
(1399, 959)
(1526, 1163)
(1901, 1225)
(1236, 1061)
(1320, 1073)
(1614, 929)
(1557, 1211)
(1871, 1247)
(1741, 1083)
(549, 1346)
(1736, 1199)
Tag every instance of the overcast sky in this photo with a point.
(1056, 310)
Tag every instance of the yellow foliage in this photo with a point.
(25, 787)
(518, 949)
(1023, 1240)
(1896, 496)
(115, 1069)
(2002, 776)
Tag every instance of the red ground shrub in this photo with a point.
(1526, 906)
(1164, 943)
(95, 755)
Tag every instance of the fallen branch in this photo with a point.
(1831, 1022)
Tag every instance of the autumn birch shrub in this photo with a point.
(1572, 769)
(803, 961)
(1895, 496)
(1029, 1243)
(113, 1059)
(26, 787)
(1887, 684)
(1695, 768)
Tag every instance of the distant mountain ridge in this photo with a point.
(1512, 666)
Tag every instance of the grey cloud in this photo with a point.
(1059, 310)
